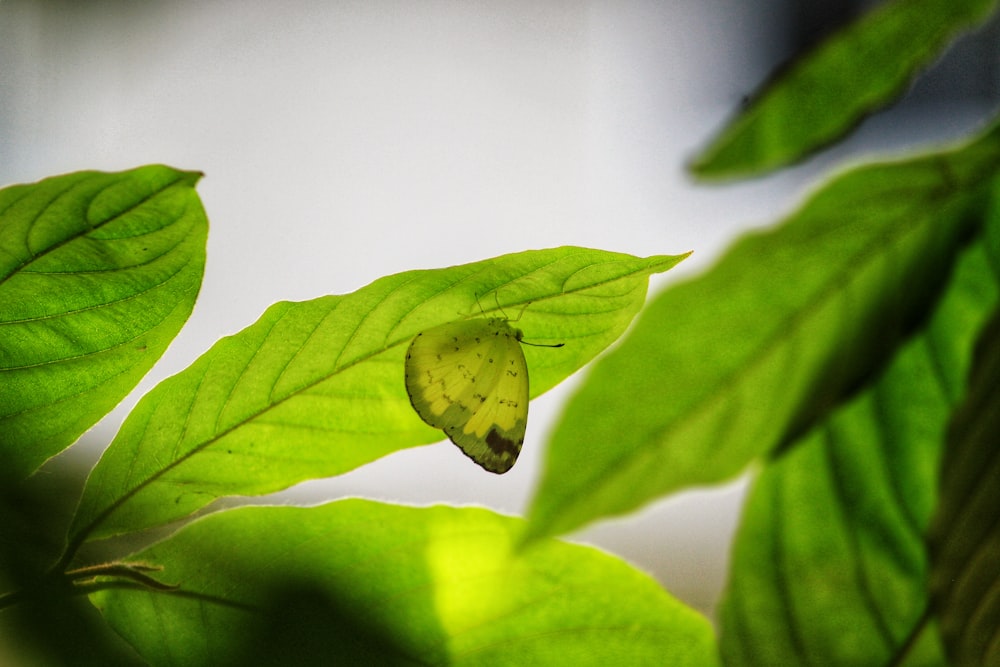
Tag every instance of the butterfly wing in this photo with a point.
(470, 380)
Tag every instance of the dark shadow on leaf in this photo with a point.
(301, 625)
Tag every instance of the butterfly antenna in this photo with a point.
(542, 344)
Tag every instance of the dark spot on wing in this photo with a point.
(501, 445)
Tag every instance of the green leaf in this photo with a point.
(829, 565)
(744, 359)
(316, 388)
(822, 96)
(363, 583)
(965, 539)
(98, 272)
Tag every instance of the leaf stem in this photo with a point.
(83, 577)
(83, 580)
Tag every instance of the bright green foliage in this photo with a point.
(824, 95)
(965, 539)
(98, 272)
(834, 352)
(314, 389)
(829, 566)
(362, 583)
(747, 357)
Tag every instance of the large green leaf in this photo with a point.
(965, 538)
(316, 388)
(829, 565)
(98, 272)
(823, 95)
(356, 582)
(749, 356)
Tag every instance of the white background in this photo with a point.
(343, 141)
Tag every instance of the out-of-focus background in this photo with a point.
(346, 140)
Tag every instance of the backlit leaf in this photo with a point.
(356, 582)
(829, 565)
(316, 388)
(98, 272)
(824, 94)
(746, 358)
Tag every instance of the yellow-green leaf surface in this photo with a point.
(356, 582)
(746, 358)
(316, 388)
(824, 94)
(829, 565)
(98, 272)
(965, 538)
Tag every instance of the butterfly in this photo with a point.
(469, 379)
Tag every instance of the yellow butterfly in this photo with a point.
(469, 379)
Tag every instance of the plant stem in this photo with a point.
(135, 571)
(83, 580)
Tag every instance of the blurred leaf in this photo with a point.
(829, 565)
(98, 272)
(316, 388)
(823, 95)
(748, 357)
(965, 539)
(363, 583)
